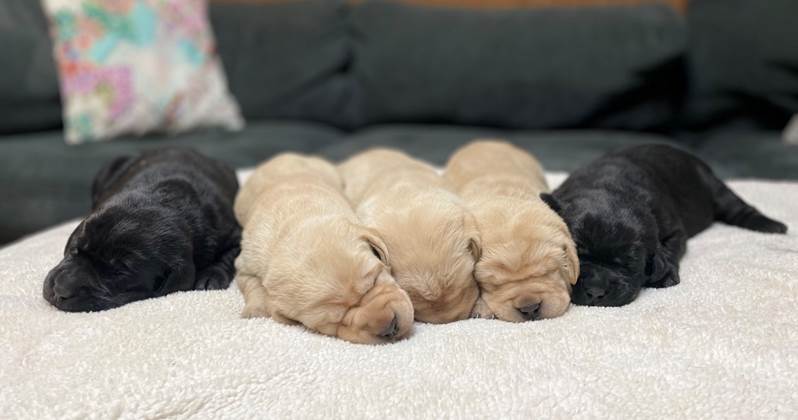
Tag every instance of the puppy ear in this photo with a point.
(475, 248)
(572, 268)
(475, 240)
(107, 176)
(551, 202)
(377, 245)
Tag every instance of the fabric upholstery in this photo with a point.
(29, 96)
(743, 62)
(613, 67)
(751, 154)
(495, 4)
(285, 59)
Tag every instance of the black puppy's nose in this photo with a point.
(391, 330)
(595, 293)
(63, 291)
(530, 312)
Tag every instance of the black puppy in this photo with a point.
(630, 213)
(161, 222)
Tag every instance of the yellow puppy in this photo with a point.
(432, 239)
(306, 259)
(529, 260)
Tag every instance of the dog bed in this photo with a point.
(724, 343)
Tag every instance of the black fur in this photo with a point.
(631, 212)
(161, 222)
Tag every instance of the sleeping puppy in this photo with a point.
(431, 237)
(305, 258)
(160, 222)
(631, 212)
(528, 259)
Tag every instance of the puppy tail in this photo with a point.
(732, 210)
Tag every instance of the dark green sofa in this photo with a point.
(334, 77)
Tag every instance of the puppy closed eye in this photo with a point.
(118, 267)
(377, 253)
(160, 281)
(649, 270)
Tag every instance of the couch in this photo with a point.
(332, 77)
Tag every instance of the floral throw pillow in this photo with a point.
(135, 66)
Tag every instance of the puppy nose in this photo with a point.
(595, 293)
(391, 330)
(530, 312)
(63, 291)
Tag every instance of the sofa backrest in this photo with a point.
(608, 67)
(680, 5)
(285, 59)
(510, 63)
(743, 62)
(29, 97)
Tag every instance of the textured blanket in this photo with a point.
(724, 343)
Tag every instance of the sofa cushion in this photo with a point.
(284, 59)
(495, 4)
(750, 154)
(29, 96)
(743, 61)
(559, 150)
(43, 181)
(607, 67)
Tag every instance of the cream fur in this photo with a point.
(432, 239)
(305, 258)
(528, 256)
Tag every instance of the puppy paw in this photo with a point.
(482, 310)
(254, 311)
(213, 278)
(664, 274)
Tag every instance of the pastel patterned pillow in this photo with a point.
(135, 66)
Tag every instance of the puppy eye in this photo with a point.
(378, 253)
(159, 282)
(649, 270)
(74, 252)
(375, 252)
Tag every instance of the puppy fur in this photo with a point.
(631, 212)
(432, 239)
(528, 259)
(307, 259)
(160, 222)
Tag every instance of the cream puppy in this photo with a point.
(432, 239)
(305, 258)
(529, 260)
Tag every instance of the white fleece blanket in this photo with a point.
(724, 343)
